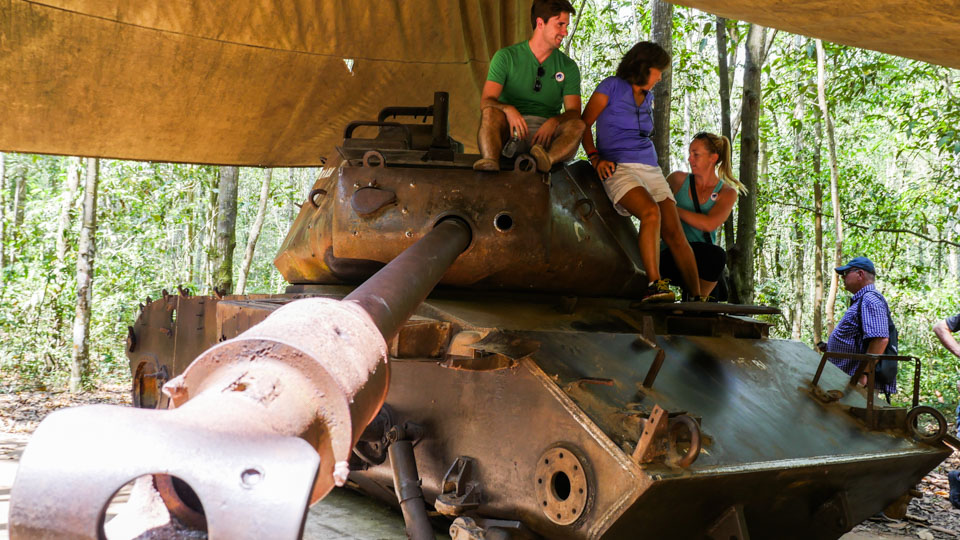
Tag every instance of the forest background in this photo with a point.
(816, 128)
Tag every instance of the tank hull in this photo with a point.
(505, 379)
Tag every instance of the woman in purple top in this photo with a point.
(626, 161)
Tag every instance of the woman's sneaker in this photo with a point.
(659, 291)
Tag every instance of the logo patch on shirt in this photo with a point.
(559, 76)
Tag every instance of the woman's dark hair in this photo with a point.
(636, 64)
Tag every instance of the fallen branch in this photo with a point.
(943, 530)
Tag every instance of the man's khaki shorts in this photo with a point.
(533, 124)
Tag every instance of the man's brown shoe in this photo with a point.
(486, 165)
(542, 158)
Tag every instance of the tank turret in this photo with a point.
(532, 232)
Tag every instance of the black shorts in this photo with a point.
(711, 259)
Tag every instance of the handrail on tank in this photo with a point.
(439, 111)
(868, 364)
(352, 126)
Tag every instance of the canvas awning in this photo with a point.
(927, 30)
(246, 82)
(267, 82)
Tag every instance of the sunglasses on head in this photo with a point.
(705, 137)
(537, 86)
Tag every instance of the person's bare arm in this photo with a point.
(874, 346)
(571, 107)
(877, 345)
(946, 338)
(489, 97)
(571, 111)
(675, 181)
(712, 220)
(596, 105)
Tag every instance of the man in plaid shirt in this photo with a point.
(869, 335)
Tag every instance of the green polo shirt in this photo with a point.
(515, 67)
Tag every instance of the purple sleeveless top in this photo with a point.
(623, 128)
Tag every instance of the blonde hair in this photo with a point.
(721, 145)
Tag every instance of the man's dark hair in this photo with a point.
(636, 64)
(545, 9)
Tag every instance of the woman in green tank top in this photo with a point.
(704, 201)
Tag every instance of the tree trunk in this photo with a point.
(834, 185)
(576, 25)
(662, 34)
(226, 229)
(19, 195)
(728, 237)
(742, 254)
(798, 275)
(63, 222)
(255, 232)
(19, 198)
(818, 239)
(191, 234)
(953, 262)
(80, 359)
(292, 203)
(3, 215)
(761, 238)
(211, 260)
(777, 266)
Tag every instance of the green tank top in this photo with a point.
(684, 201)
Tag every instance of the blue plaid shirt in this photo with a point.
(850, 335)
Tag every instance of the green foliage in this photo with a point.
(152, 229)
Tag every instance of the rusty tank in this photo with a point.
(471, 346)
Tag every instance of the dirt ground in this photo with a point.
(930, 517)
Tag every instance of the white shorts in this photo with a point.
(633, 175)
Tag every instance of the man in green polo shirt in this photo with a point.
(526, 85)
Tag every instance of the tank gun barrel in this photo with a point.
(391, 295)
(263, 423)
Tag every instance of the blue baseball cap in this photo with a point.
(862, 263)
